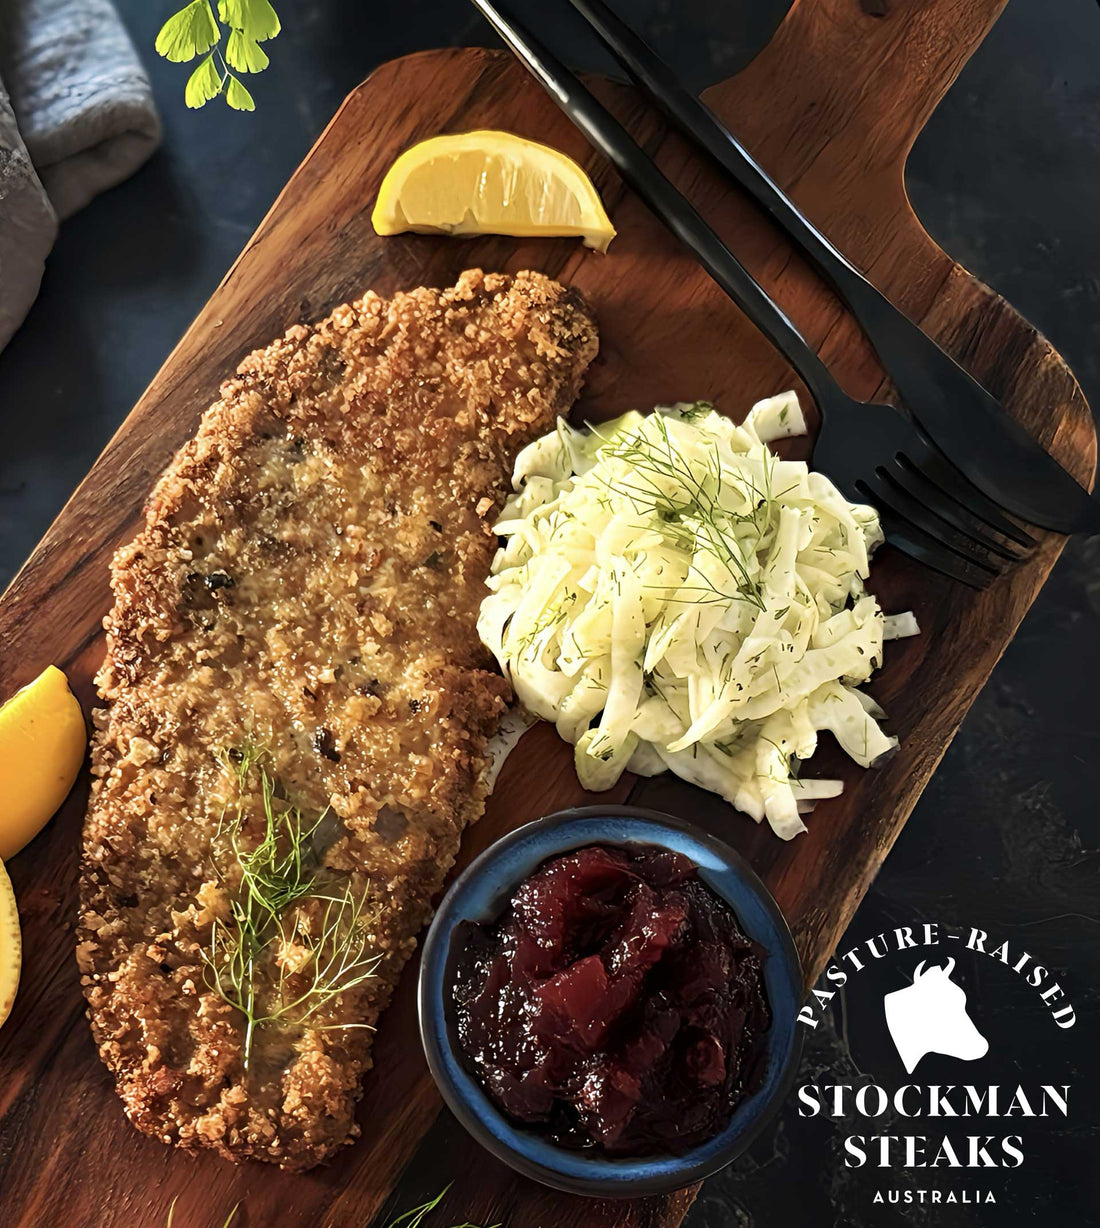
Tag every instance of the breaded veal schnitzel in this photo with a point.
(298, 705)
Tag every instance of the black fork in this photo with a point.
(871, 452)
(996, 453)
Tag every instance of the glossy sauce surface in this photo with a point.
(616, 1005)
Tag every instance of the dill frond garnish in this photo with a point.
(414, 1217)
(298, 935)
(228, 1219)
(663, 481)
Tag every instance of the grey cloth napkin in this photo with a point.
(76, 117)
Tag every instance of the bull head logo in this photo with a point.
(930, 1016)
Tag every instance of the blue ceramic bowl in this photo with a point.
(480, 894)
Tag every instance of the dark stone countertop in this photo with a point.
(1007, 178)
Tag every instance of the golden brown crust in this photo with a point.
(307, 581)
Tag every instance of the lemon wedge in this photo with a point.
(42, 744)
(490, 182)
(11, 946)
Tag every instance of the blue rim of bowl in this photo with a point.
(480, 893)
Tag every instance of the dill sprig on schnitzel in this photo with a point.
(288, 910)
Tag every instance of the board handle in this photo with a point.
(879, 66)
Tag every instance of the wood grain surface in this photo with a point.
(831, 108)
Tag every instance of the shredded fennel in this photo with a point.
(674, 596)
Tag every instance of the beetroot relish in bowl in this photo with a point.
(616, 1005)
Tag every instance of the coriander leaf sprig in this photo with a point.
(194, 31)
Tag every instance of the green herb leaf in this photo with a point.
(229, 1218)
(284, 898)
(237, 96)
(188, 33)
(415, 1217)
(193, 31)
(244, 53)
(203, 84)
(255, 17)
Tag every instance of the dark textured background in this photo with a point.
(1007, 178)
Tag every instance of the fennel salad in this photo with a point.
(676, 597)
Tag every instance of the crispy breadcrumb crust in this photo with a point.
(307, 581)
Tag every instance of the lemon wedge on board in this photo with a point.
(11, 946)
(42, 744)
(490, 182)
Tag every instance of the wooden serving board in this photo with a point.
(831, 108)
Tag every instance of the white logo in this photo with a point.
(930, 1016)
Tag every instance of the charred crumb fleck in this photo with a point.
(415, 705)
(373, 687)
(200, 596)
(324, 744)
(333, 365)
(390, 824)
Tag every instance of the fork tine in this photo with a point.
(933, 465)
(936, 536)
(911, 541)
(918, 545)
(924, 518)
(911, 480)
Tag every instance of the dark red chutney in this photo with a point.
(616, 1005)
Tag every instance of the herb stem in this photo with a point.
(280, 879)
